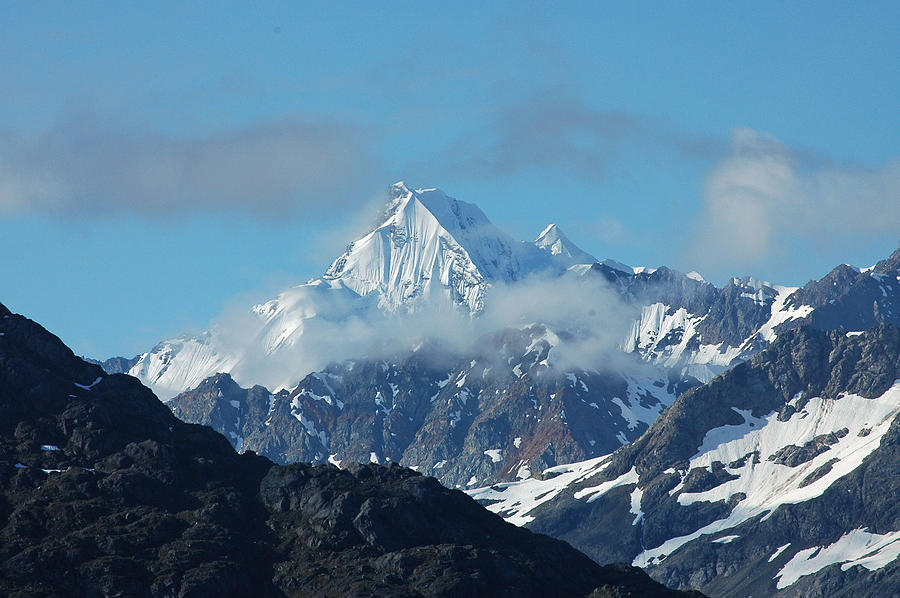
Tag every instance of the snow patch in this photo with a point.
(636, 495)
(91, 385)
(855, 548)
(780, 314)
(496, 455)
(778, 552)
(515, 500)
(726, 539)
(594, 492)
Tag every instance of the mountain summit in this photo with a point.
(432, 245)
(429, 249)
(555, 242)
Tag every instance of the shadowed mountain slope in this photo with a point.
(103, 492)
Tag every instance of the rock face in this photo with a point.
(852, 299)
(115, 365)
(778, 477)
(103, 492)
(693, 326)
(467, 420)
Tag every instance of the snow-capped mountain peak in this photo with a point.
(427, 248)
(428, 245)
(555, 242)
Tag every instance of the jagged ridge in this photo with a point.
(741, 481)
(104, 492)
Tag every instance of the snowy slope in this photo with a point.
(672, 336)
(846, 431)
(786, 469)
(256, 345)
(555, 242)
(433, 247)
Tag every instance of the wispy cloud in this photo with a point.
(544, 131)
(347, 327)
(764, 194)
(86, 166)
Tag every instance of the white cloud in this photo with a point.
(348, 327)
(87, 166)
(550, 130)
(763, 195)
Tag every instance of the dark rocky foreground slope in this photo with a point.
(103, 492)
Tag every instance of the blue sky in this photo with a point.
(159, 162)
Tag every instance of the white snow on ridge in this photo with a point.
(723, 434)
(652, 335)
(594, 492)
(515, 500)
(778, 552)
(855, 548)
(180, 364)
(694, 275)
(668, 337)
(579, 269)
(768, 485)
(726, 539)
(617, 265)
(634, 413)
(780, 314)
(636, 495)
(654, 325)
(554, 241)
(433, 245)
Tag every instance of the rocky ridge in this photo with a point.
(776, 478)
(104, 492)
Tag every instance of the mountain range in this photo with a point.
(504, 404)
(641, 414)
